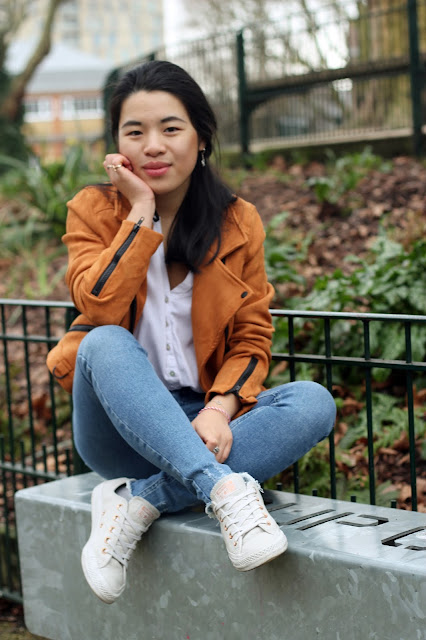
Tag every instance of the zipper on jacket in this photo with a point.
(245, 375)
(81, 327)
(118, 254)
(133, 306)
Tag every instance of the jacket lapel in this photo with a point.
(217, 293)
(233, 236)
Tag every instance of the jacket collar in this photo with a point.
(233, 234)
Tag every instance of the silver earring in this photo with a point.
(203, 157)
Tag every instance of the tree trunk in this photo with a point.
(10, 108)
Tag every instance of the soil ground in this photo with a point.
(12, 626)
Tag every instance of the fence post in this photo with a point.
(416, 77)
(242, 92)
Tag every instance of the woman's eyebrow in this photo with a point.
(131, 123)
(169, 118)
(138, 123)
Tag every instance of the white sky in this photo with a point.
(174, 18)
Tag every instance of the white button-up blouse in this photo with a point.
(165, 327)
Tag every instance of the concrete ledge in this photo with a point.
(352, 572)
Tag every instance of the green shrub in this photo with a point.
(344, 174)
(44, 189)
(389, 421)
(390, 281)
(282, 252)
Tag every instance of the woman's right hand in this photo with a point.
(214, 431)
(137, 192)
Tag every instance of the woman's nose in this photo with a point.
(153, 144)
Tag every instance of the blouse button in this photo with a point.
(172, 373)
(244, 294)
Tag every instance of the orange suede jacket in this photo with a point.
(108, 263)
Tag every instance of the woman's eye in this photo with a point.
(135, 133)
(171, 129)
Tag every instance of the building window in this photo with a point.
(38, 109)
(81, 108)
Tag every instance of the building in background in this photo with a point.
(115, 30)
(64, 100)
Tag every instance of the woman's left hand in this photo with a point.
(214, 431)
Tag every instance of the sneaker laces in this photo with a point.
(121, 545)
(241, 513)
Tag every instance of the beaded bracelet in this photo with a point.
(223, 411)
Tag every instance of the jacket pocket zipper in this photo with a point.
(245, 375)
(226, 339)
(133, 309)
(118, 254)
(81, 327)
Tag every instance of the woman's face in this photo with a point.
(156, 134)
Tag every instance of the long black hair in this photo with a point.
(198, 222)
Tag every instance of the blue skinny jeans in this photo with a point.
(126, 423)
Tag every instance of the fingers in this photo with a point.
(214, 431)
(220, 450)
(114, 167)
(223, 454)
(114, 162)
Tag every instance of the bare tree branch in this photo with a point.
(12, 14)
(11, 105)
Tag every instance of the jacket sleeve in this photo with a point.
(108, 258)
(246, 362)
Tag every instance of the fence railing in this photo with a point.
(35, 413)
(35, 434)
(345, 72)
(410, 370)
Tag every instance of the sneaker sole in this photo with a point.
(269, 554)
(98, 588)
(88, 560)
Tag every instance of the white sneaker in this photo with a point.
(117, 525)
(252, 537)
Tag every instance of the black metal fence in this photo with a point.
(351, 74)
(35, 413)
(345, 72)
(35, 435)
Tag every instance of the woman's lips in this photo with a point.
(156, 169)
